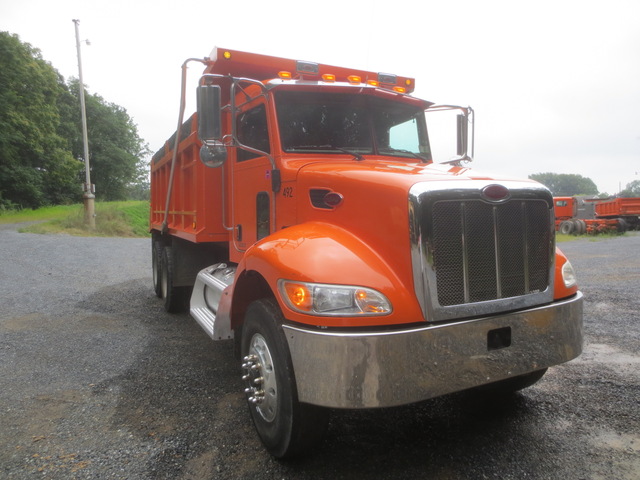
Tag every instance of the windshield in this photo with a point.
(315, 122)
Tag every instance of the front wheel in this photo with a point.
(286, 427)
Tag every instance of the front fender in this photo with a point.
(324, 253)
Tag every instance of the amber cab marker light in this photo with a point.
(329, 77)
(354, 79)
(285, 75)
(373, 83)
(400, 89)
(227, 55)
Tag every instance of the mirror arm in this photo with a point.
(467, 116)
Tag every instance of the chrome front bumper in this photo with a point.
(384, 369)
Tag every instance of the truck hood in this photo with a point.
(374, 194)
(388, 172)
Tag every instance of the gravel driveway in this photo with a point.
(97, 381)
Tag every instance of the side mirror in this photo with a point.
(462, 135)
(209, 116)
(213, 153)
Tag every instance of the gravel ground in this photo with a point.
(97, 381)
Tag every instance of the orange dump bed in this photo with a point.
(618, 207)
(195, 207)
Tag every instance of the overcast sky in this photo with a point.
(555, 84)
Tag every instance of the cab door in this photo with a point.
(251, 196)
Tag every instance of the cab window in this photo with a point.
(252, 131)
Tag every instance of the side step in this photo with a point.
(211, 300)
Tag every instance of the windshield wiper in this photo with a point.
(423, 159)
(356, 155)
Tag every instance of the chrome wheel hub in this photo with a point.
(259, 374)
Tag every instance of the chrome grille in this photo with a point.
(473, 257)
(485, 252)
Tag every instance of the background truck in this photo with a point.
(300, 212)
(580, 215)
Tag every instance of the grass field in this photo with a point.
(113, 219)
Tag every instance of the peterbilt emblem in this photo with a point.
(495, 193)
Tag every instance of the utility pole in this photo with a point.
(88, 195)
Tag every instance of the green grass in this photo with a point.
(592, 238)
(113, 219)
(28, 215)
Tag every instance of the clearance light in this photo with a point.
(227, 55)
(373, 83)
(400, 89)
(333, 300)
(329, 77)
(285, 75)
(354, 79)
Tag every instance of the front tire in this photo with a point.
(286, 427)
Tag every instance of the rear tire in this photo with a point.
(176, 299)
(583, 227)
(286, 427)
(566, 227)
(156, 265)
(622, 226)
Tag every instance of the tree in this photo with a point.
(41, 150)
(35, 166)
(631, 190)
(115, 149)
(566, 184)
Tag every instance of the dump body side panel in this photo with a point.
(195, 210)
(618, 207)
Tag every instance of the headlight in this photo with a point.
(333, 300)
(568, 275)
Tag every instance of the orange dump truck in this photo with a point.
(300, 212)
(580, 215)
